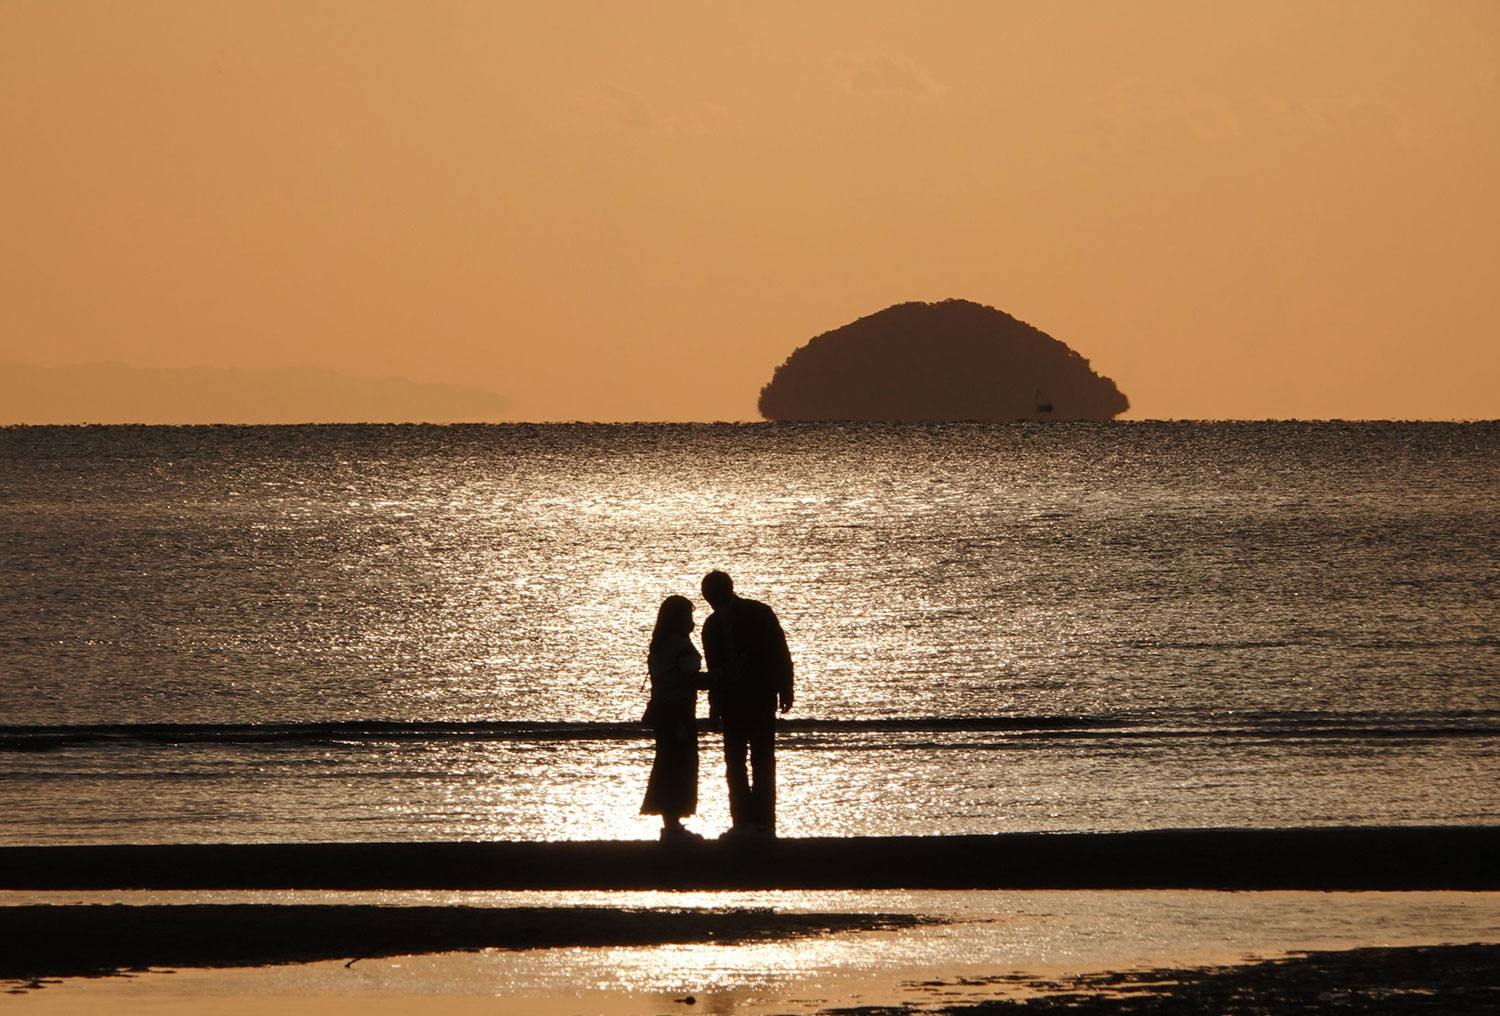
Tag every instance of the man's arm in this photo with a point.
(713, 645)
(782, 655)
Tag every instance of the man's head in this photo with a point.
(718, 588)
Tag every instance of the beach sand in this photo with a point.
(1451, 980)
(1436, 980)
(898, 925)
(71, 941)
(864, 952)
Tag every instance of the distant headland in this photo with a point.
(118, 393)
(953, 360)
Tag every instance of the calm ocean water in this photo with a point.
(390, 633)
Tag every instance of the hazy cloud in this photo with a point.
(881, 72)
(622, 109)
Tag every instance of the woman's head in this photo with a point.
(674, 617)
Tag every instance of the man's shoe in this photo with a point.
(747, 834)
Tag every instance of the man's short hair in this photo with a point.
(717, 584)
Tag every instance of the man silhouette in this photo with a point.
(751, 669)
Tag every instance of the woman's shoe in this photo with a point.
(677, 834)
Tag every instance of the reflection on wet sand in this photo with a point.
(49, 941)
(983, 945)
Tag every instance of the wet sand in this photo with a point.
(1448, 980)
(1445, 980)
(70, 941)
(857, 953)
(1416, 981)
(1394, 858)
(1413, 974)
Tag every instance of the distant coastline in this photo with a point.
(120, 394)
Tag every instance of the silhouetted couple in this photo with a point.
(749, 676)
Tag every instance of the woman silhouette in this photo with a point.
(674, 663)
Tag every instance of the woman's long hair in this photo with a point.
(675, 617)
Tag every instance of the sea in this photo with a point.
(394, 633)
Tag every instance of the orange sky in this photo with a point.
(636, 211)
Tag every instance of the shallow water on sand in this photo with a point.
(420, 632)
(829, 785)
(988, 935)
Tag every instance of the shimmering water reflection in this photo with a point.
(831, 784)
(1306, 615)
(566, 791)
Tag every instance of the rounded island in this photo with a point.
(953, 360)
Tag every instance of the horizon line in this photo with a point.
(581, 421)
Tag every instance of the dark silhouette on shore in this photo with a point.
(751, 666)
(953, 360)
(676, 677)
(1359, 858)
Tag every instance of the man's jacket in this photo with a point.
(744, 643)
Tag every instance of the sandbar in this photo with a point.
(1319, 859)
